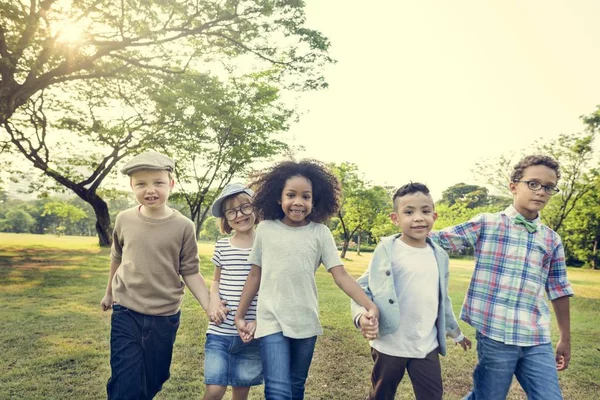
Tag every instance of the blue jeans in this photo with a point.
(285, 365)
(141, 347)
(533, 366)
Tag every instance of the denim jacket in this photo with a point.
(378, 283)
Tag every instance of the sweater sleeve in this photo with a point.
(116, 250)
(188, 258)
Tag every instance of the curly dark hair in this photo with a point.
(531, 161)
(325, 187)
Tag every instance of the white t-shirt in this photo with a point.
(416, 279)
(289, 257)
(235, 268)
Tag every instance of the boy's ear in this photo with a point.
(435, 216)
(513, 187)
(394, 218)
(171, 184)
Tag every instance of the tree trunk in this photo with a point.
(358, 245)
(103, 227)
(345, 247)
(594, 250)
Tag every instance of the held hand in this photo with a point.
(465, 343)
(563, 354)
(106, 302)
(245, 329)
(369, 324)
(217, 312)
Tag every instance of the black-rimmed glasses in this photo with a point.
(232, 213)
(535, 186)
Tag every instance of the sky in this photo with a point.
(423, 90)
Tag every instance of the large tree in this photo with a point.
(352, 183)
(67, 49)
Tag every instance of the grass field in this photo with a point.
(55, 339)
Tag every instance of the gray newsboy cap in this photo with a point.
(229, 190)
(149, 160)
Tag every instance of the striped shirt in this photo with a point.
(234, 271)
(513, 268)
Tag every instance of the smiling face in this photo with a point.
(296, 201)
(239, 204)
(151, 188)
(526, 201)
(414, 214)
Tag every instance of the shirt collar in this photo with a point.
(512, 212)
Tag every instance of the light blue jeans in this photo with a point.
(285, 365)
(533, 366)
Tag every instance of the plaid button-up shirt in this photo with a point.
(513, 268)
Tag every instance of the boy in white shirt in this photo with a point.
(408, 281)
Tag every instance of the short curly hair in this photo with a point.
(326, 189)
(410, 188)
(530, 161)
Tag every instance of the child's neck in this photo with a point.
(243, 239)
(412, 242)
(156, 213)
(526, 213)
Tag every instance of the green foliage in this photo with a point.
(66, 214)
(18, 221)
(211, 229)
(472, 196)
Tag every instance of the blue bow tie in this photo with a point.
(529, 225)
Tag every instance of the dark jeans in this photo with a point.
(425, 376)
(141, 347)
(285, 365)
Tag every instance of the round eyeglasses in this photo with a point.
(232, 213)
(535, 186)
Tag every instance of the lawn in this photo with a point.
(55, 338)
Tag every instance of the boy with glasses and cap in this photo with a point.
(153, 245)
(517, 259)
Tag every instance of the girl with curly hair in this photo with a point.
(293, 199)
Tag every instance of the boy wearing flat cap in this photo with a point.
(153, 245)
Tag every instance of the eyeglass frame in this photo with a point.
(238, 210)
(549, 189)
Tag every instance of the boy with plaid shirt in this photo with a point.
(517, 258)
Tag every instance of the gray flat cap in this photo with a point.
(229, 190)
(149, 160)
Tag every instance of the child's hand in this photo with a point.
(106, 302)
(217, 312)
(245, 329)
(369, 324)
(465, 343)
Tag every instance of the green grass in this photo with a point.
(55, 338)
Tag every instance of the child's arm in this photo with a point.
(563, 319)
(454, 238)
(363, 319)
(107, 301)
(558, 290)
(452, 328)
(356, 293)
(217, 310)
(245, 329)
(197, 285)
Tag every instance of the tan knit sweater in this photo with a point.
(152, 253)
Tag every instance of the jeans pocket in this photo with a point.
(118, 308)
(173, 320)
